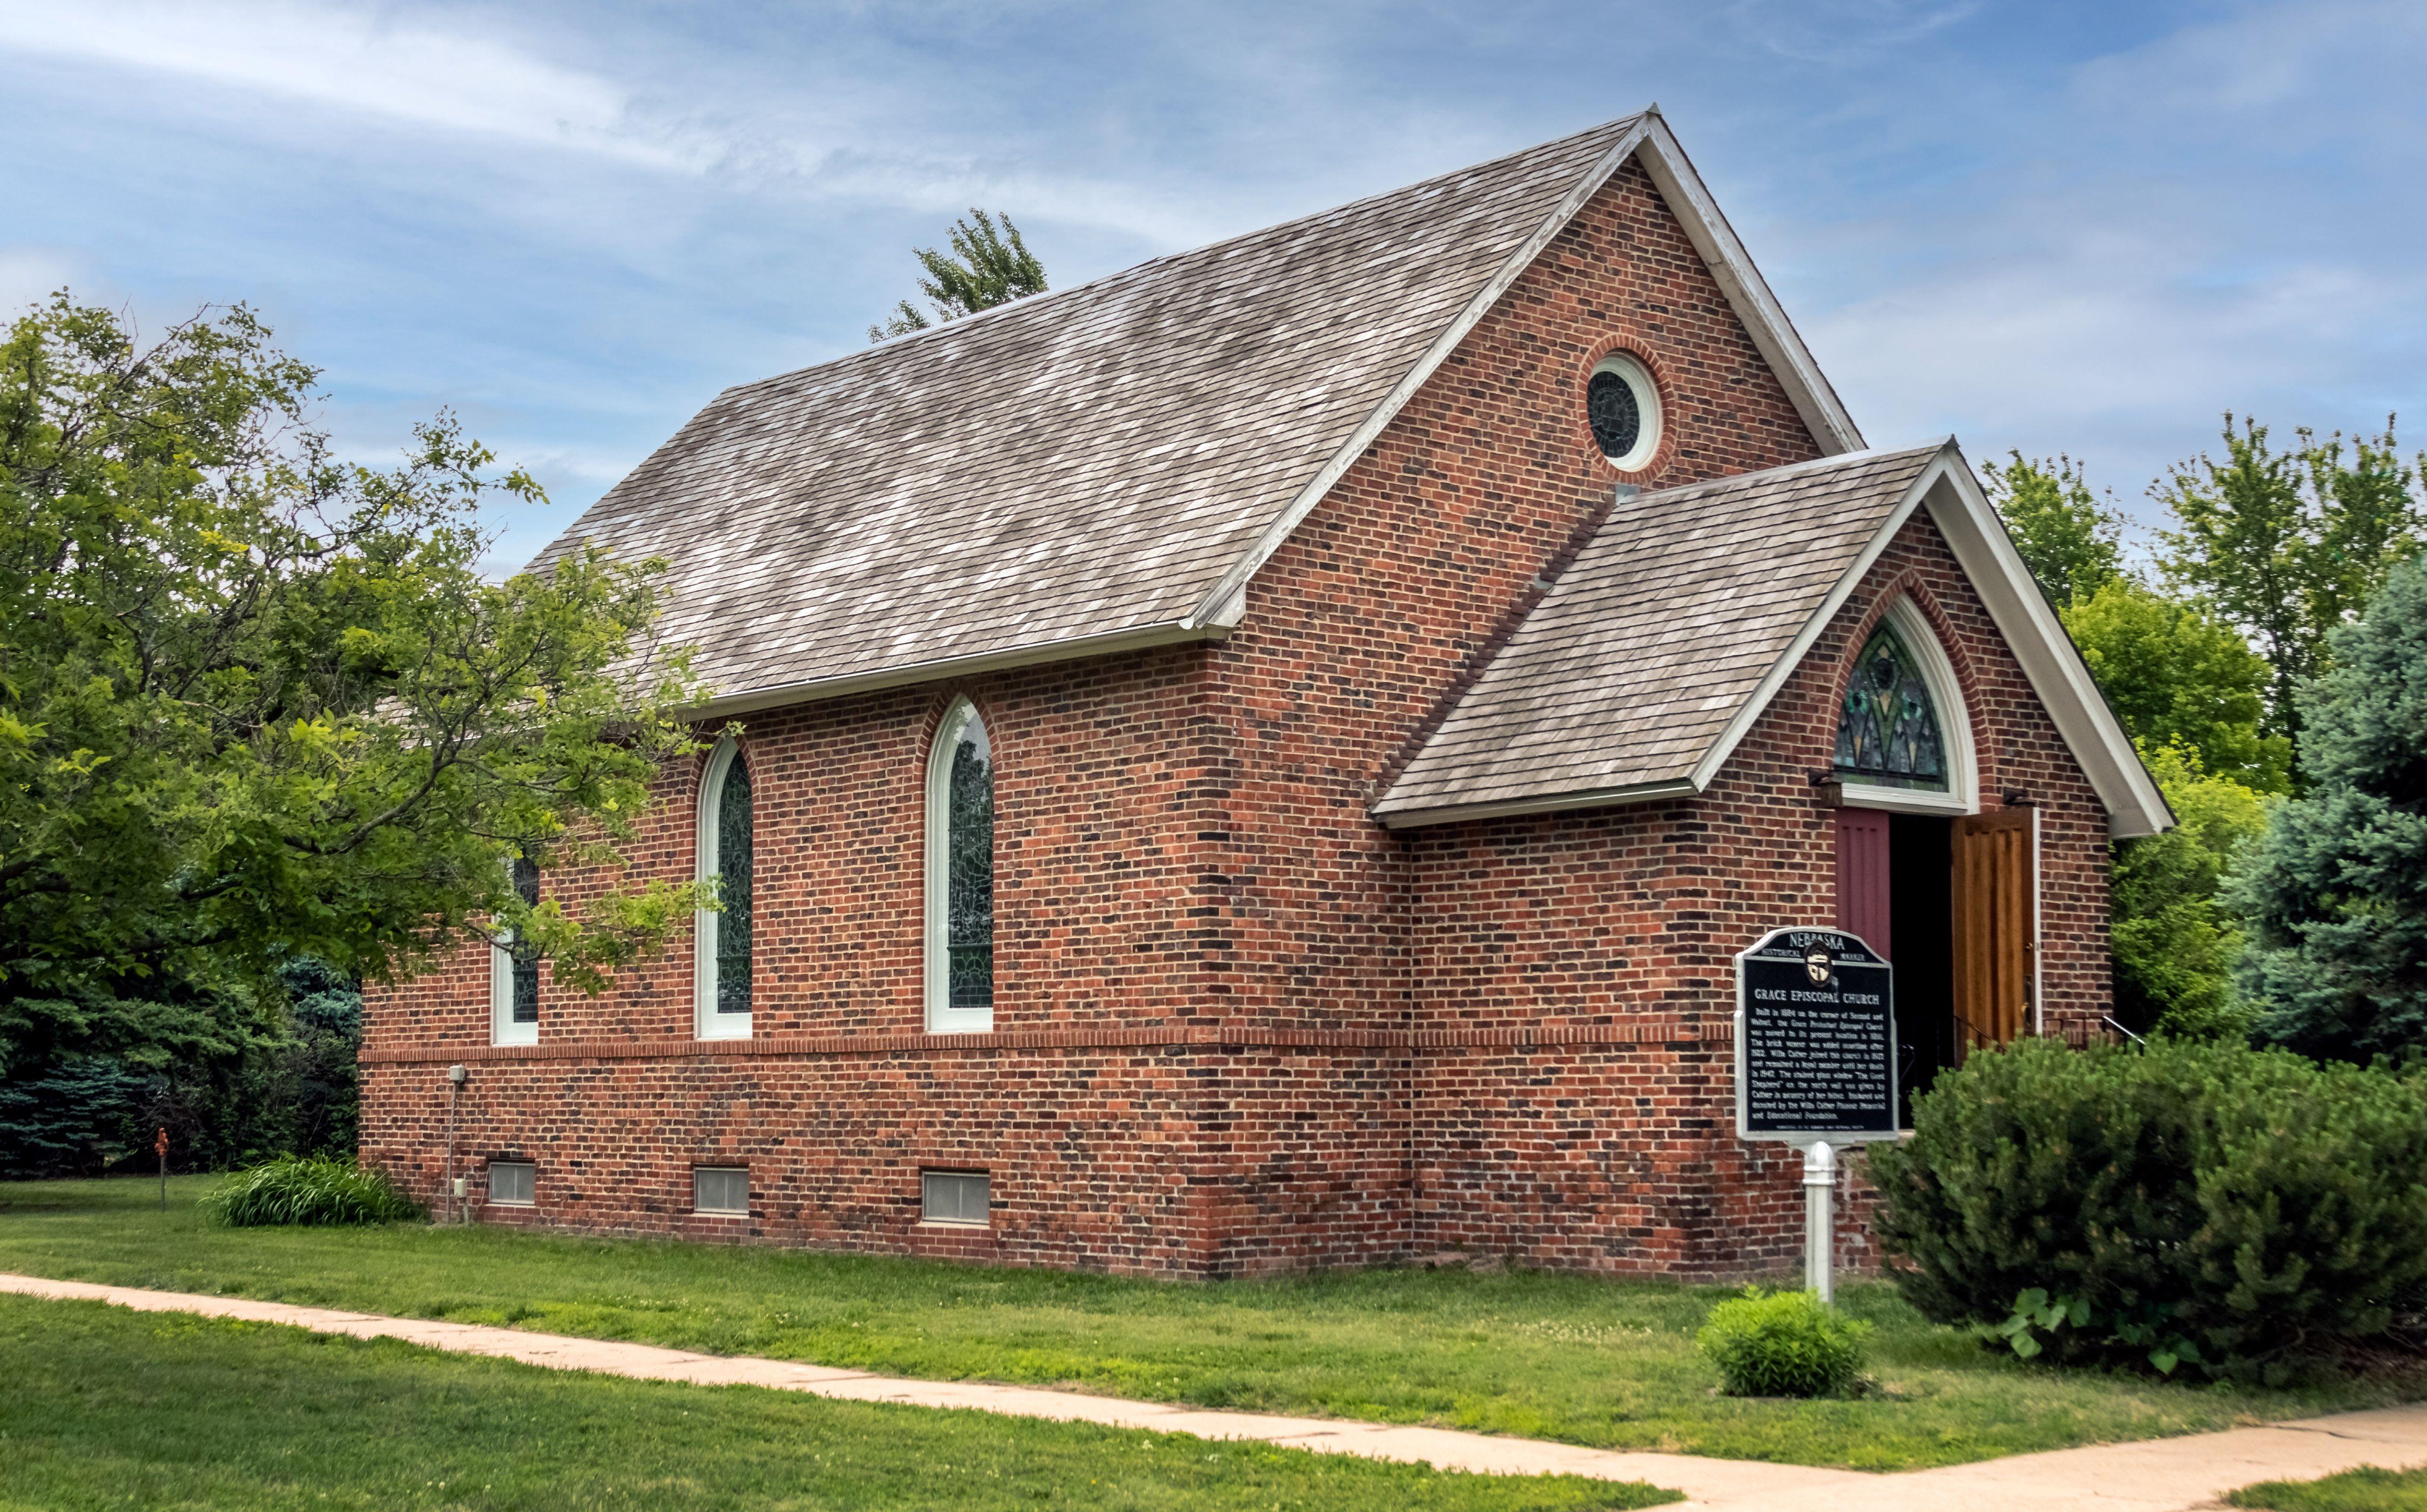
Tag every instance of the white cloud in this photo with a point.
(361, 64)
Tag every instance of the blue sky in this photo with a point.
(2063, 227)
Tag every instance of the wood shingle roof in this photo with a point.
(1644, 652)
(1072, 468)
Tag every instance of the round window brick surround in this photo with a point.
(1622, 409)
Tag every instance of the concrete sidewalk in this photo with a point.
(2152, 1476)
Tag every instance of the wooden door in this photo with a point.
(1862, 878)
(1997, 919)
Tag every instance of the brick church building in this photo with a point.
(1265, 760)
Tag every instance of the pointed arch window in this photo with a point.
(960, 876)
(1888, 732)
(1904, 734)
(514, 969)
(728, 840)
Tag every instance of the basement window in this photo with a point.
(512, 1183)
(724, 1190)
(958, 1199)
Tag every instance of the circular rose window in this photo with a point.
(1624, 409)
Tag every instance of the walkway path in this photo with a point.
(2155, 1475)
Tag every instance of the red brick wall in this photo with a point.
(1235, 1017)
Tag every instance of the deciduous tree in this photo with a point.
(258, 703)
(2288, 545)
(2072, 542)
(987, 266)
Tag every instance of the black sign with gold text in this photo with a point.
(1816, 1039)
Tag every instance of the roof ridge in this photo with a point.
(1794, 468)
(1038, 301)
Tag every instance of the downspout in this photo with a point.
(454, 1197)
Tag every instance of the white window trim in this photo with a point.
(707, 1023)
(502, 1028)
(1962, 794)
(1647, 403)
(942, 1017)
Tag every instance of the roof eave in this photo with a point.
(1756, 307)
(1969, 523)
(813, 689)
(1411, 817)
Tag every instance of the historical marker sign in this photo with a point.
(1816, 1039)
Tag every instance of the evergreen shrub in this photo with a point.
(308, 1189)
(1782, 1344)
(2242, 1212)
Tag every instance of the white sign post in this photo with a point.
(1815, 1064)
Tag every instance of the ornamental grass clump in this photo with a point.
(1782, 1344)
(314, 1188)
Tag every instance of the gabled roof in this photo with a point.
(1651, 656)
(1104, 466)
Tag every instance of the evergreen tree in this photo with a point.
(2335, 892)
(2073, 543)
(985, 268)
(2286, 545)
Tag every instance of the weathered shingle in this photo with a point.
(1636, 661)
(1077, 464)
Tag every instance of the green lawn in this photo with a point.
(2358, 1490)
(1588, 1360)
(102, 1408)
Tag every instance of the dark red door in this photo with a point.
(1863, 877)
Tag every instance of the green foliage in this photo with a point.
(2175, 942)
(2287, 547)
(291, 1093)
(2335, 892)
(2260, 1206)
(309, 1190)
(1782, 1344)
(985, 268)
(2176, 675)
(2073, 543)
(79, 1116)
(258, 704)
(2038, 1318)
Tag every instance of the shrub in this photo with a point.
(1782, 1344)
(2237, 1210)
(308, 1189)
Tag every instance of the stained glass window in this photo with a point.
(524, 952)
(1616, 413)
(970, 887)
(1887, 733)
(733, 856)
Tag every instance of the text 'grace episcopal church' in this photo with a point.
(1265, 760)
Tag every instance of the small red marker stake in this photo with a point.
(160, 1147)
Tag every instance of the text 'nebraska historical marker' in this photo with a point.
(1816, 1039)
